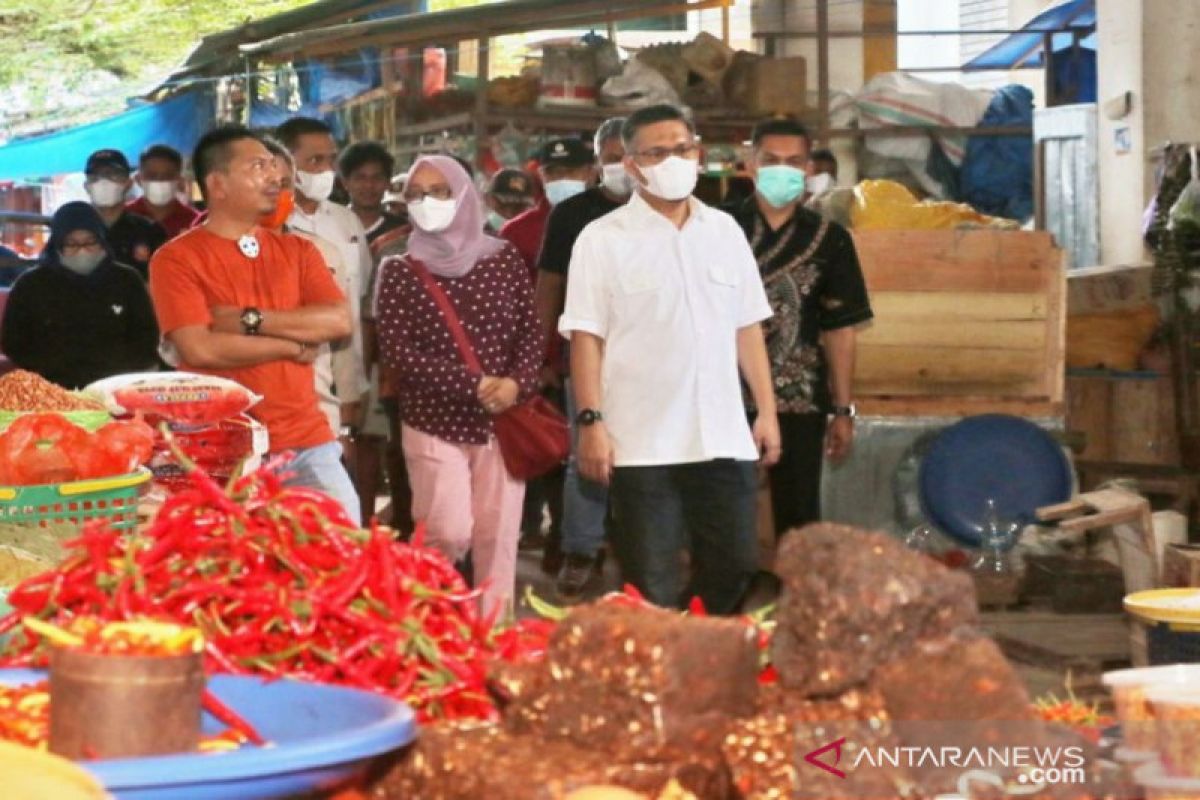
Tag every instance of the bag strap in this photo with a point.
(449, 315)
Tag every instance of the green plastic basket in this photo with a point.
(88, 420)
(114, 499)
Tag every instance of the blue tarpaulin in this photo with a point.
(997, 172)
(178, 122)
(1076, 19)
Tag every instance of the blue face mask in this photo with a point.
(780, 184)
(557, 191)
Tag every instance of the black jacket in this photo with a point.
(75, 329)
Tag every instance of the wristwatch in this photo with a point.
(252, 320)
(845, 411)
(588, 416)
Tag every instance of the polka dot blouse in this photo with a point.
(494, 301)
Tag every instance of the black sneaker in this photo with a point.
(577, 572)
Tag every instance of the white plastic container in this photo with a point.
(1176, 712)
(1129, 687)
(1161, 786)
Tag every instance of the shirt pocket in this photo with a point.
(724, 276)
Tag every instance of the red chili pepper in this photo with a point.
(227, 716)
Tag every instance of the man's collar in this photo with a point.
(643, 210)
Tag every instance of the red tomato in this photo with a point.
(36, 449)
(129, 443)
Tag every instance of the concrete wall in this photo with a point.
(1124, 176)
(845, 54)
(1150, 48)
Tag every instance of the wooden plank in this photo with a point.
(1062, 510)
(958, 261)
(1089, 411)
(1054, 367)
(1097, 638)
(1026, 336)
(960, 305)
(903, 370)
(883, 405)
(1143, 429)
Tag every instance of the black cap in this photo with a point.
(565, 153)
(107, 159)
(511, 186)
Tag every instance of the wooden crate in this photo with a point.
(966, 322)
(1125, 417)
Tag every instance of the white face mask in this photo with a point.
(105, 193)
(315, 185)
(821, 183)
(159, 193)
(557, 191)
(82, 263)
(617, 180)
(432, 215)
(496, 220)
(673, 179)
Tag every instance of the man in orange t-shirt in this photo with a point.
(241, 301)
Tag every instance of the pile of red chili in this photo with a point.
(279, 583)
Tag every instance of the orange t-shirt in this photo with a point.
(199, 270)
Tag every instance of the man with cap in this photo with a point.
(566, 169)
(509, 195)
(132, 238)
(585, 504)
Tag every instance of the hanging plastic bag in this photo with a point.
(1184, 217)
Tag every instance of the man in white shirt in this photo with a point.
(328, 371)
(314, 152)
(663, 309)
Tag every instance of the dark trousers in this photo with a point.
(707, 509)
(796, 479)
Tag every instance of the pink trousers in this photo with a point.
(468, 502)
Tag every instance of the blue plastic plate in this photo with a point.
(1008, 459)
(322, 736)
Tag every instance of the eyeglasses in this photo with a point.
(75, 247)
(437, 193)
(657, 155)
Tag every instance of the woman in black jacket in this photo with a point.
(79, 316)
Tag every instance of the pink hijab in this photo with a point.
(454, 252)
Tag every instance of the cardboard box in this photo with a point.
(1181, 566)
(765, 86)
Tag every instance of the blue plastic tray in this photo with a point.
(1008, 459)
(322, 737)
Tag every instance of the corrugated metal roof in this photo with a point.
(511, 16)
(218, 51)
(1022, 50)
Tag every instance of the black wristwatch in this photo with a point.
(252, 320)
(588, 416)
(845, 411)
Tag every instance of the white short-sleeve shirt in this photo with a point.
(668, 303)
(340, 227)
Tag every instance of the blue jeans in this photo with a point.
(585, 503)
(707, 508)
(321, 468)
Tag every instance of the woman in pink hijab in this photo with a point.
(461, 488)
